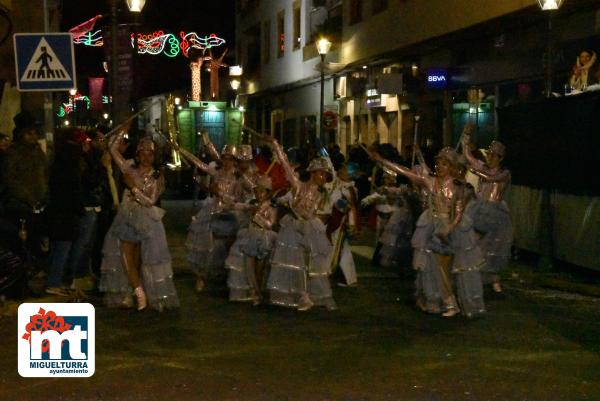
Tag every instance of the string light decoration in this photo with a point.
(159, 42)
(191, 40)
(90, 38)
(196, 67)
(68, 108)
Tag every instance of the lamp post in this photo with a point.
(547, 223)
(323, 46)
(550, 7)
(135, 7)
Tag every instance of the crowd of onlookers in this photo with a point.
(54, 207)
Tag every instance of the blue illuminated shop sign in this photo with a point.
(437, 78)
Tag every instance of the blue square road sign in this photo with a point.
(44, 61)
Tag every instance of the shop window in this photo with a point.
(355, 11)
(280, 34)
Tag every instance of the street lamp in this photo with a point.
(323, 46)
(551, 6)
(135, 6)
(235, 84)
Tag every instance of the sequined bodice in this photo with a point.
(226, 185)
(265, 216)
(248, 182)
(306, 200)
(444, 196)
(492, 191)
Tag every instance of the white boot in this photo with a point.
(140, 295)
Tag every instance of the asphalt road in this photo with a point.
(533, 344)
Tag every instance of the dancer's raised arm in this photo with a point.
(210, 147)
(396, 168)
(474, 163)
(194, 160)
(425, 168)
(290, 174)
(113, 148)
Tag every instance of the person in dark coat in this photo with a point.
(65, 206)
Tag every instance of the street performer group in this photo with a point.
(288, 244)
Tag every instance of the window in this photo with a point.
(297, 28)
(379, 6)
(355, 11)
(280, 34)
(266, 34)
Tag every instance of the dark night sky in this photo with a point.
(156, 74)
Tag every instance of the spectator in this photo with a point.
(25, 177)
(65, 206)
(337, 157)
(95, 197)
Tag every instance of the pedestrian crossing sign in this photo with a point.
(44, 61)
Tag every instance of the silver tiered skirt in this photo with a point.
(135, 223)
(299, 264)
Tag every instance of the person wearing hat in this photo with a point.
(25, 178)
(136, 253)
(443, 239)
(299, 276)
(490, 211)
(215, 226)
(252, 248)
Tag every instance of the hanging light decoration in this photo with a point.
(135, 6)
(550, 5)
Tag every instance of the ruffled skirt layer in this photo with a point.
(209, 238)
(255, 243)
(395, 238)
(492, 219)
(157, 274)
(467, 261)
(300, 264)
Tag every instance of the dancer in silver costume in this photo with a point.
(490, 211)
(214, 227)
(299, 275)
(252, 247)
(444, 238)
(248, 177)
(135, 250)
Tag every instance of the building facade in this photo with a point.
(21, 16)
(452, 62)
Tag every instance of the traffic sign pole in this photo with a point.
(48, 98)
